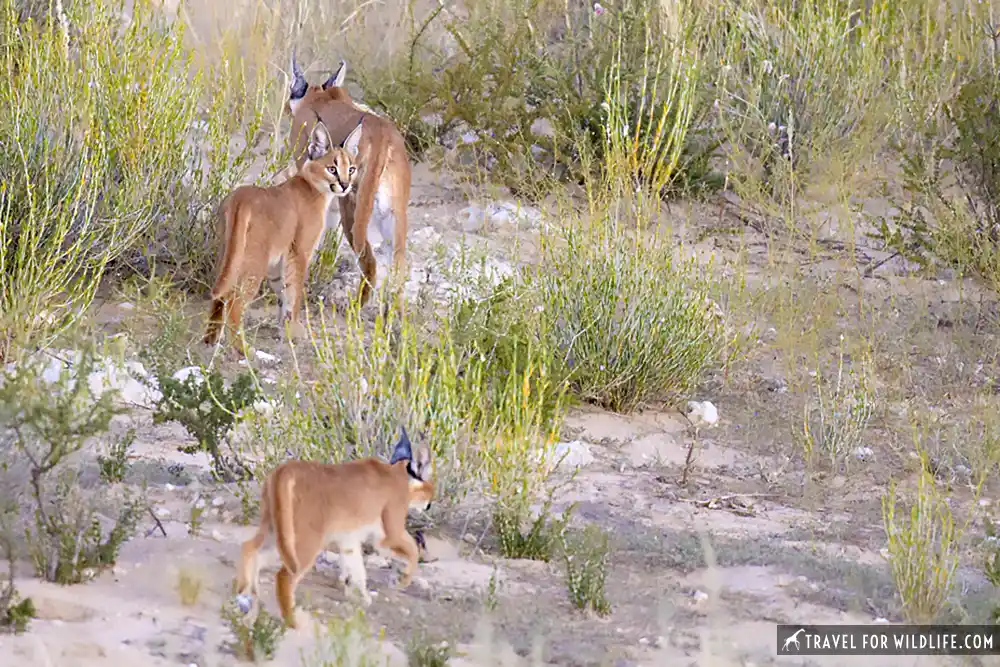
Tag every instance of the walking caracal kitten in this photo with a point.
(308, 504)
(274, 231)
(383, 191)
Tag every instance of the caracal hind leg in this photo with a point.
(247, 289)
(216, 320)
(306, 550)
(276, 279)
(248, 580)
(295, 274)
(368, 267)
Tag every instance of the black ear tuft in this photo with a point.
(337, 78)
(403, 451)
(299, 83)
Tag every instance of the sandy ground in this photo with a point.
(785, 551)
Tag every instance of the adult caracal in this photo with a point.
(274, 231)
(383, 190)
(308, 504)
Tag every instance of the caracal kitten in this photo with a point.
(274, 231)
(307, 505)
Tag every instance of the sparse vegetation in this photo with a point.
(422, 651)
(742, 201)
(543, 537)
(256, 635)
(15, 613)
(49, 423)
(208, 408)
(923, 549)
(344, 642)
(586, 558)
(189, 585)
(114, 466)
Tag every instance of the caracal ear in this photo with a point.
(299, 83)
(319, 141)
(353, 140)
(403, 451)
(337, 78)
(422, 462)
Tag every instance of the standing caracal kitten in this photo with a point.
(274, 231)
(308, 504)
(383, 191)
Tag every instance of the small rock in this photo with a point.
(881, 620)
(469, 538)
(169, 487)
(162, 512)
(218, 501)
(126, 305)
(864, 453)
(266, 358)
(216, 535)
(643, 641)
(422, 584)
(703, 412)
(699, 596)
(244, 602)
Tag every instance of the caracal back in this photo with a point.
(273, 232)
(307, 505)
(383, 192)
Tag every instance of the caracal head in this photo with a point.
(300, 91)
(418, 469)
(331, 167)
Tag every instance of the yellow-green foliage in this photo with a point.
(102, 121)
(923, 549)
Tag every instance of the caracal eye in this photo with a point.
(332, 170)
(351, 170)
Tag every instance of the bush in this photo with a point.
(208, 409)
(586, 557)
(46, 425)
(15, 613)
(103, 153)
(543, 537)
(621, 320)
(256, 636)
(521, 66)
(923, 549)
(798, 82)
(951, 181)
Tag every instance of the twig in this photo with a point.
(159, 524)
(722, 499)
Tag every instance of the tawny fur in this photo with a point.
(274, 231)
(383, 165)
(307, 505)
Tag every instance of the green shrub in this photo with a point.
(521, 65)
(957, 147)
(208, 409)
(543, 537)
(586, 558)
(802, 88)
(923, 549)
(257, 636)
(103, 152)
(620, 319)
(48, 425)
